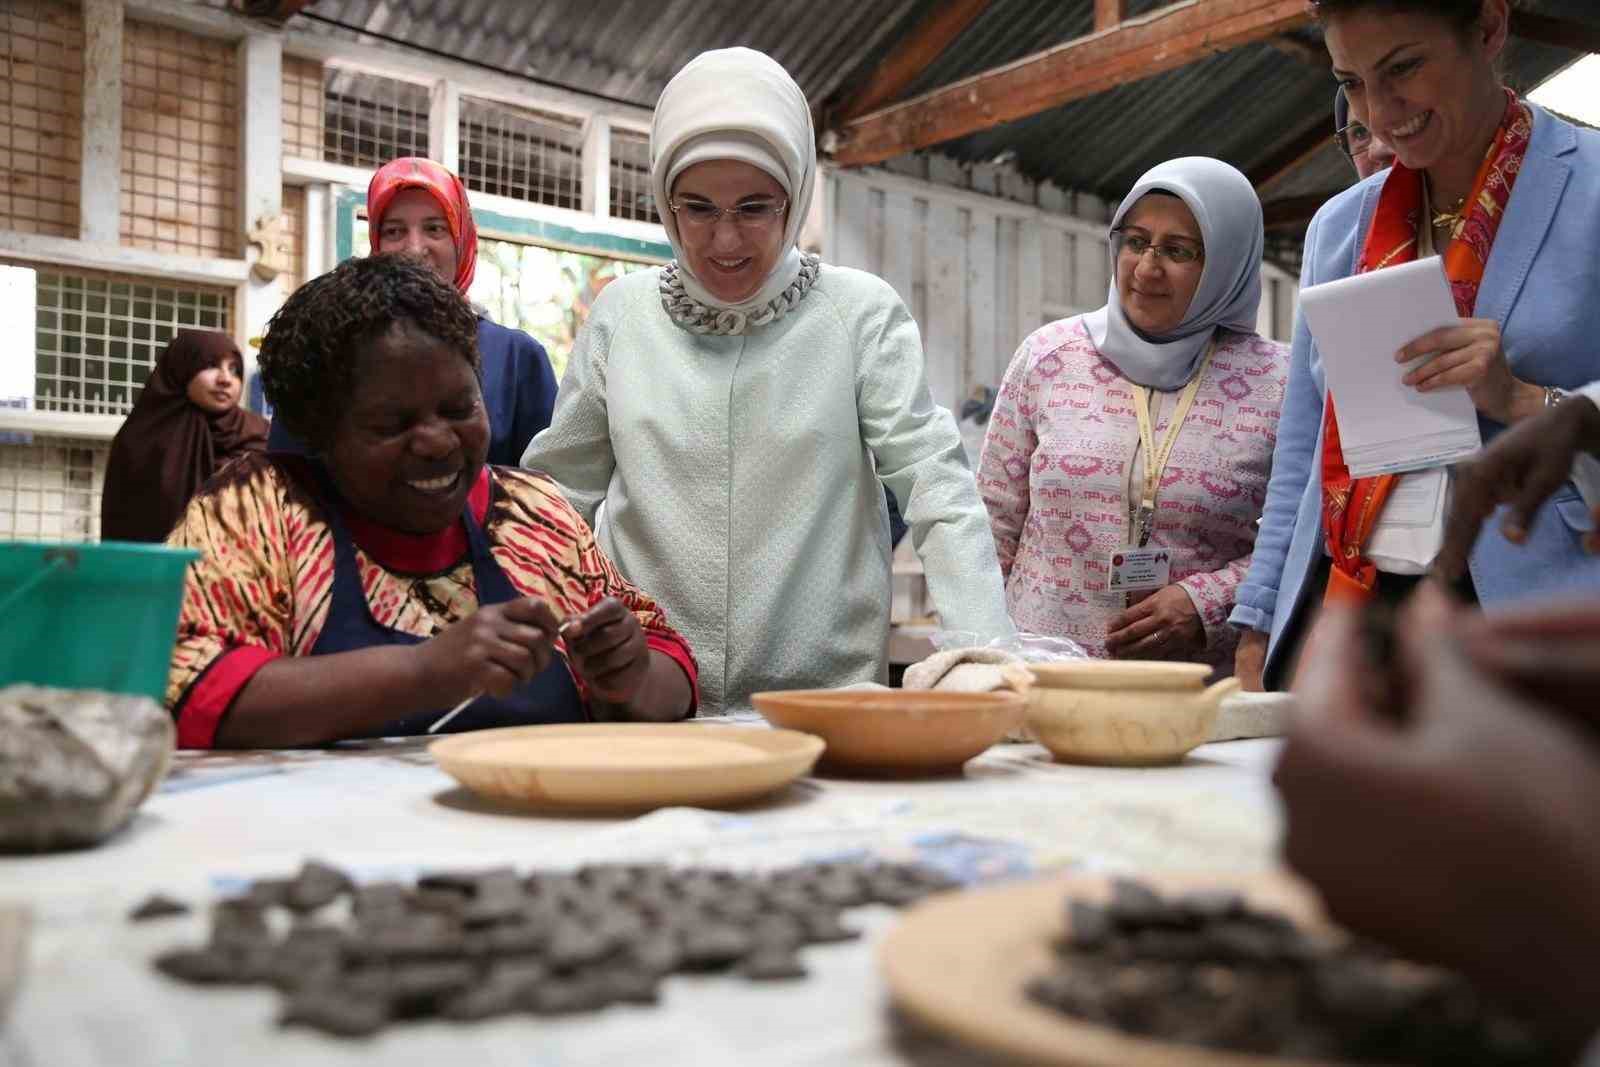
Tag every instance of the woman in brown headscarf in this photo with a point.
(186, 424)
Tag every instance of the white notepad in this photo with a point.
(1360, 322)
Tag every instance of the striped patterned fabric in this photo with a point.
(262, 587)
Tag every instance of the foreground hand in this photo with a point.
(1550, 654)
(1163, 625)
(1250, 661)
(1469, 354)
(1461, 835)
(494, 650)
(1522, 467)
(607, 648)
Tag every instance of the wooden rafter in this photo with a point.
(1109, 14)
(1163, 40)
(275, 10)
(1562, 33)
(1294, 153)
(1294, 211)
(911, 56)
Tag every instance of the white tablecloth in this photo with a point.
(90, 997)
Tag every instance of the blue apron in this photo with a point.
(550, 698)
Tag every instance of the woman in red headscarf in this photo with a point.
(418, 208)
(186, 424)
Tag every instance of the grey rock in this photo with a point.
(75, 764)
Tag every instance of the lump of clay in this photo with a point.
(75, 763)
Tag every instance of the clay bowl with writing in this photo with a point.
(895, 731)
(1130, 713)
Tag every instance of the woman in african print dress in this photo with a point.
(367, 588)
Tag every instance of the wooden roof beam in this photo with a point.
(275, 10)
(1562, 33)
(1109, 14)
(1294, 211)
(911, 56)
(1163, 40)
(1295, 153)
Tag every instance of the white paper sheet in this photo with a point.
(1360, 322)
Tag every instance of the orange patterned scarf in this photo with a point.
(415, 172)
(1351, 506)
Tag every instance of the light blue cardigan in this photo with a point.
(1543, 285)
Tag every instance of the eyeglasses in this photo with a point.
(703, 214)
(1137, 246)
(1354, 138)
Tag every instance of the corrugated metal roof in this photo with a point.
(630, 48)
(1240, 106)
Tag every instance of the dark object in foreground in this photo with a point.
(475, 945)
(157, 906)
(1207, 969)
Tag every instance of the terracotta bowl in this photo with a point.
(1134, 713)
(895, 731)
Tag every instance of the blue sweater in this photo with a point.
(1541, 285)
(519, 392)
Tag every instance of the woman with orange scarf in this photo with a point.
(416, 207)
(1504, 192)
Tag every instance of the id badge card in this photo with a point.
(1135, 569)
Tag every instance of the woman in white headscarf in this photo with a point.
(1127, 457)
(739, 411)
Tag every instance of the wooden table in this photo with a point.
(90, 997)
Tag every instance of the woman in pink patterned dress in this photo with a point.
(1171, 366)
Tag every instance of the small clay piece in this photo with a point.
(486, 1000)
(1088, 925)
(418, 989)
(566, 996)
(337, 1012)
(268, 892)
(316, 886)
(713, 945)
(825, 927)
(198, 966)
(157, 906)
(769, 964)
(572, 946)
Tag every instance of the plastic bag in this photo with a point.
(1030, 648)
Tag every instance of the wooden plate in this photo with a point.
(618, 767)
(958, 963)
(895, 731)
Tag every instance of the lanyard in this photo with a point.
(1141, 519)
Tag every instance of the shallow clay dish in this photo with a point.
(624, 767)
(895, 731)
(959, 963)
(1123, 712)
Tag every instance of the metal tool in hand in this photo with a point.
(565, 631)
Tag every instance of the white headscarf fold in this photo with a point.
(736, 103)
(1229, 295)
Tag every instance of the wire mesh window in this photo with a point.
(521, 153)
(50, 489)
(180, 142)
(631, 195)
(294, 214)
(302, 108)
(41, 116)
(369, 119)
(95, 336)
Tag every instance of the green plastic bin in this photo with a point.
(94, 616)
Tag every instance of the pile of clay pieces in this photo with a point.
(1207, 969)
(350, 959)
